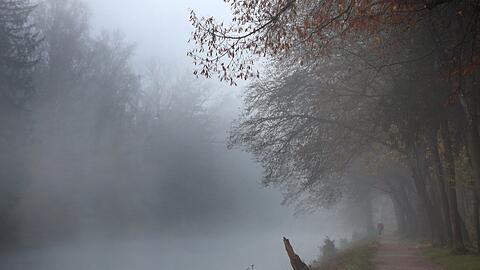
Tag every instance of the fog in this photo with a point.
(158, 28)
(122, 154)
(149, 134)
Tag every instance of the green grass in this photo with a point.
(361, 258)
(449, 261)
(358, 257)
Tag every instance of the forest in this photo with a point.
(359, 98)
(85, 138)
(355, 112)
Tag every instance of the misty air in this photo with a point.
(239, 135)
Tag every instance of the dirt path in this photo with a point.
(393, 254)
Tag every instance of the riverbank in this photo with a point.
(359, 256)
(450, 261)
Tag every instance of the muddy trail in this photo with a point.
(395, 254)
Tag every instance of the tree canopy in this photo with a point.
(351, 83)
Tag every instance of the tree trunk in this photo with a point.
(419, 176)
(400, 217)
(476, 222)
(427, 206)
(410, 213)
(462, 211)
(457, 239)
(369, 226)
(473, 140)
(295, 261)
(443, 193)
(474, 151)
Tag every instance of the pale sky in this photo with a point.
(158, 27)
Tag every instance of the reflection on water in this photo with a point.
(232, 251)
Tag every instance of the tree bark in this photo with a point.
(427, 206)
(474, 153)
(476, 222)
(369, 226)
(443, 192)
(400, 216)
(457, 239)
(295, 261)
(420, 180)
(406, 213)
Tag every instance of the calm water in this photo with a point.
(200, 252)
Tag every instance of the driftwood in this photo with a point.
(295, 260)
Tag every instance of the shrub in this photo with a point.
(328, 249)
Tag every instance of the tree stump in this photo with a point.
(295, 261)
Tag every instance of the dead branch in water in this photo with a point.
(295, 261)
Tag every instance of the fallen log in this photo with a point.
(295, 261)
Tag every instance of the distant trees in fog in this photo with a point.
(19, 44)
(88, 143)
